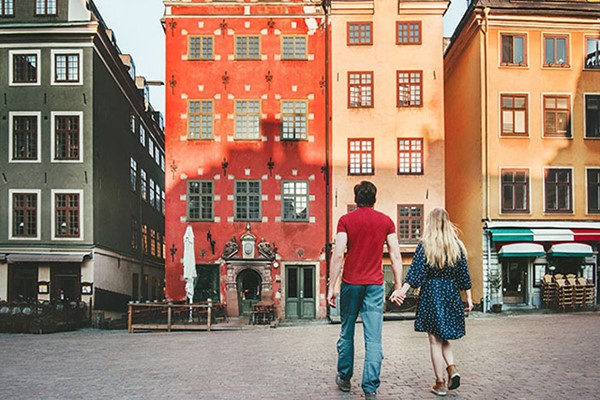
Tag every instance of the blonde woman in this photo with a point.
(439, 268)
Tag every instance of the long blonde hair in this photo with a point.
(440, 240)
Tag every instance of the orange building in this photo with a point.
(522, 84)
(245, 140)
(387, 113)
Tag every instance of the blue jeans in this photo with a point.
(368, 300)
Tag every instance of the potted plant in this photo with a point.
(495, 282)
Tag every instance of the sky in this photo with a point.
(136, 24)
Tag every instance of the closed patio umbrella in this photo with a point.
(189, 263)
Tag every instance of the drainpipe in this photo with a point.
(485, 130)
(326, 4)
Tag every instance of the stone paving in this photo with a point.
(530, 356)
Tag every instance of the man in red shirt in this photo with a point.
(363, 232)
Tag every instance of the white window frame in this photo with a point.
(53, 194)
(38, 192)
(587, 183)
(529, 191)
(584, 115)
(53, 116)
(53, 54)
(11, 77)
(573, 200)
(11, 114)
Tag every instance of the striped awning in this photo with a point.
(522, 250)
(571, 250)
(544, 235)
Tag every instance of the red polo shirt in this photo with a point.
(367, 231)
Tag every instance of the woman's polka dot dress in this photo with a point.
(440, 310)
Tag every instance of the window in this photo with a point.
(593, 190)
(157, 191)
(163, 204)
(45, 7)
(408, 32)
(142, 135)
(200, 48)
(293, 48)
(410, 156)
(151, 147)
(135, 234)
(151, 191)
(556, 51)
(25, 214)
(513, 49)
(7, 8)
(200, 200)
(558, 190)
(157, 155)
(360, 157)
(360, 33)
(410, 222)
(360, 89)
(145, 239)
(24, 67)
(514, 114)
(132, 174)
(159, 245)
(66, 68)
(515, 190)
(67, 215)
(67, 136)
(592, 57)
(200, 119)
(143, 184)
(410, 88)
(592, 115)
(152, 242)
(24, 140)
(293, 119)
(247, 119)
(557, 116)
(132, 123)
(247, 47)
(247, 200)
(294, 201)
(162, 162)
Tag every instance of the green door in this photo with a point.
(300, 292)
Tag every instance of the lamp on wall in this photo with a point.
(87, 288)
(224, 165)
(43, 287)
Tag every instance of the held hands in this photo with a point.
(398, 296)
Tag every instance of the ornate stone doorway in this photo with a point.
(248, 284)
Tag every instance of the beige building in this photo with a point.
(522, 84)
(387, 116)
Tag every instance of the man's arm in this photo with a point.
(341, 239)
(396, 258)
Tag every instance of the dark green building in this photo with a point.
(81, 162)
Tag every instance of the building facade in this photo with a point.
(82, 170)
(245, 140)
(387, 111)
(522, 151)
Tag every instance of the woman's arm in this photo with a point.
(469, 306)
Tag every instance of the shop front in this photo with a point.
(519, 255)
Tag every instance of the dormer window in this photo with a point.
(45, 7)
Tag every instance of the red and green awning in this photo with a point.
(544, 235)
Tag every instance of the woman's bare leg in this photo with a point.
(437, 357)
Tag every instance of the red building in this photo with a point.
(245, 151)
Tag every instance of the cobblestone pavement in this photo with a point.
(532, 356)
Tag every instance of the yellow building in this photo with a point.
(387, 116)
(522, 96)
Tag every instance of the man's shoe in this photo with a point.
(371, 396)
(439, 388)
(342, 384)
(453, 377)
